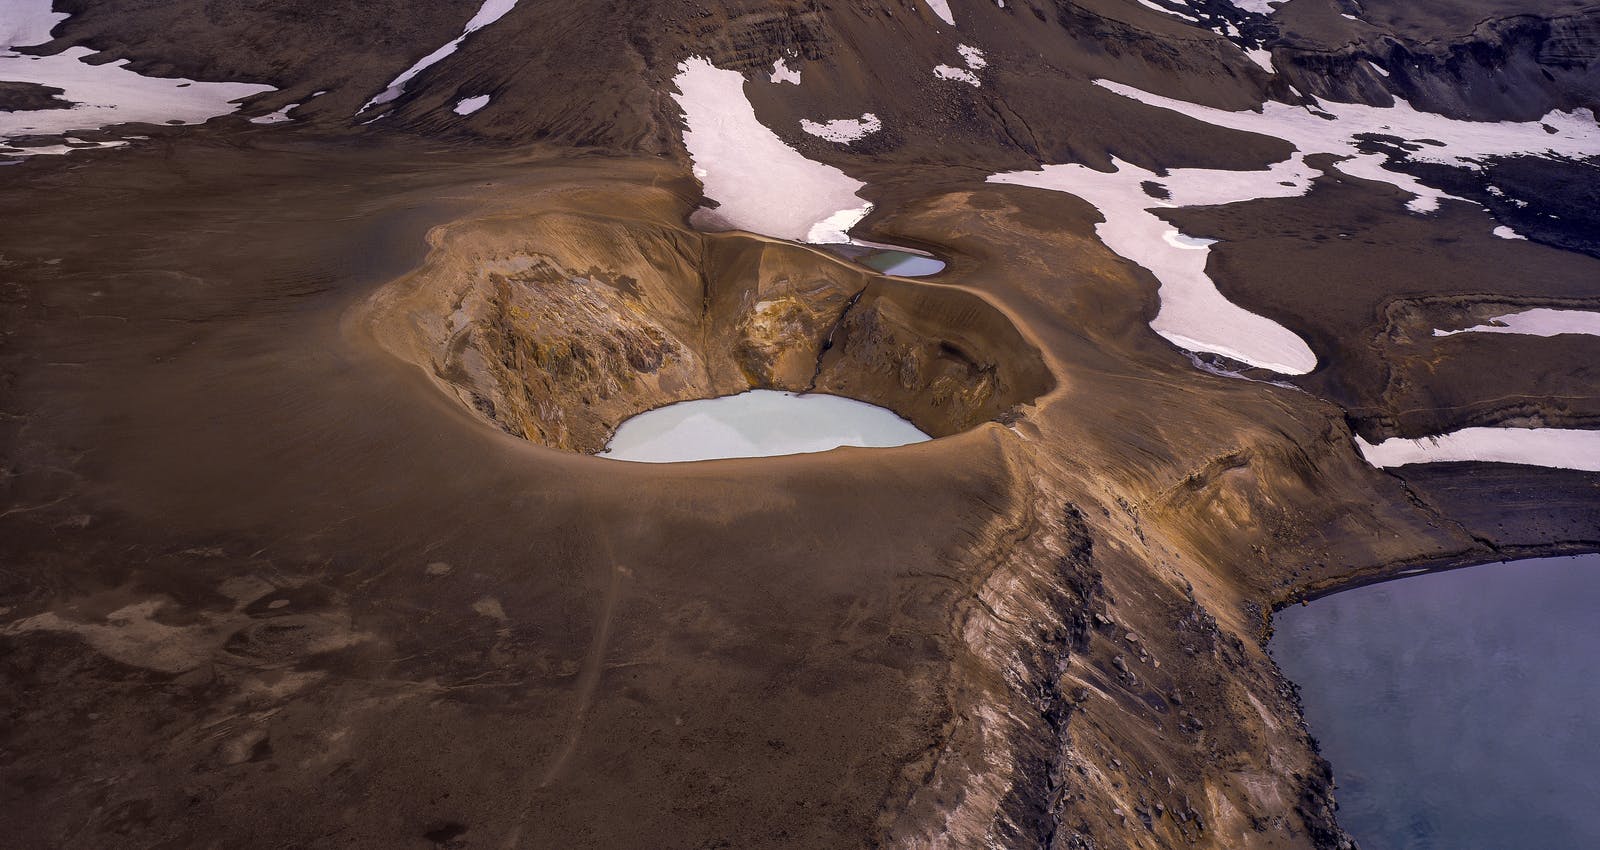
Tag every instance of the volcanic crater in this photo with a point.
(558, 327)
(301, 542)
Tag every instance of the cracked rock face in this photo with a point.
(660, 315)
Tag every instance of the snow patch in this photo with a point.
(1424, 199)
(277, 117)
(25, 23)
(469, 105)
(843, 130)
(972, 57)
(1193, 314)
(488, 13)
(1507, 233)
(1562, 448)
(1262, 58)
(945, 72)
(1460, 143)
(782, 73)
(760, 183)
(1376, 67)
(835, 229)
(104, 95)
(1260, 7)
(1173, 12)
(1539, 321)
(942, 9)
(69, 144)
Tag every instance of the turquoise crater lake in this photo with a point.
(758, 423)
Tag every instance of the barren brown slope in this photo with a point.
(271, 585)
(273, 574)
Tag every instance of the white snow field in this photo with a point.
(488, 13)
(782, 73)
(1442, 140)
(282, 114)
(759, 183)
(1194, 315)
(946, 72)
(1540, 321)
(971, 57)
(1166, 11)
(469, 105)
(1260, 7)
(104, 95)
(843, 130)
(1562, 448)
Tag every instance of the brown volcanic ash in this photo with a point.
(503, 317)
(298, 545)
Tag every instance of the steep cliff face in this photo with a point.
(1516, 68)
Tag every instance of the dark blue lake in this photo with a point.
(1460, 710)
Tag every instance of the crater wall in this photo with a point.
(559, 326)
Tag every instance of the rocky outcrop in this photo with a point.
(1507, 69)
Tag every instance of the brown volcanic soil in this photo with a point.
(295, 551)
(350, 48)
(1366, 283)
(1514, 509)
(267, 584)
